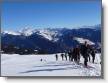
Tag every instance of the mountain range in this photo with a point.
(51, 40)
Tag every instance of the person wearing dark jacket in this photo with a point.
(93, 55)
(70, 55)
(89, 51)
(56, 57)
(65, 56)
(62, 55)
(84, 52)
(76, 54)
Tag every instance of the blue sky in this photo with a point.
(16, 15)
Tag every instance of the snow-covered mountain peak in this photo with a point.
(54, 34)
(26, 31)
(11, 32)
(48, 34)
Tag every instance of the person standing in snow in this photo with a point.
(89, 51)
(76, 54)
(93, 54)
(70, 55)
(84, 52)
(65, 56)
(62, 55)
(56, 57)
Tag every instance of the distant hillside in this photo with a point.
(49, 40)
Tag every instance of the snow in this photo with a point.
(82, 40)
(48, 34)
(46, 65)
(11, 32)
(26, 31)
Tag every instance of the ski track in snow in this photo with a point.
(31, 65)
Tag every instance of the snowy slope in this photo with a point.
(46, 33)
(26, 31)
(55, 34)
(82, 40)
(31, 65)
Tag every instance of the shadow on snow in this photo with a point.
(56, 69)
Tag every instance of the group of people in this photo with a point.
(74, 54)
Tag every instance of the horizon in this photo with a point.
(80, 27)
(72, 15)
(30, 28)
